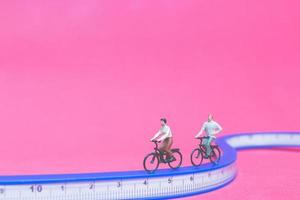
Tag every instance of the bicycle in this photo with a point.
(199, 153)
(154, 159)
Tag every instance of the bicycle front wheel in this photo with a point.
(151, 162)
(196, 157)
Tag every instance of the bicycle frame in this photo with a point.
(159, 153)
(202, 146)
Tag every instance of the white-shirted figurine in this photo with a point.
(165, 135)
(211, 128)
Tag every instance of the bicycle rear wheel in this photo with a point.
(177, 159)
(196, 157)
(151, 162)
(215, 155)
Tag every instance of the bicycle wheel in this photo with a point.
(177, 159)
(151, 162)
(196, 157)
(215, 155)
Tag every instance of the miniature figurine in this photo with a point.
(165, 135)
(211, 129)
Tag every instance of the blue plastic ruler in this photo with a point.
(163, 184)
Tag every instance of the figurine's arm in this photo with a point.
(218, 129)
(157, 135)
(201, 131)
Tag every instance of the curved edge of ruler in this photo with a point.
(165, 183)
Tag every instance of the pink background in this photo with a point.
(84, 83)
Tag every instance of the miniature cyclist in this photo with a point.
(211, 129)
(165, 135)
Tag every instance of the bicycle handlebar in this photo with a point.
(155, 141)
(202, 137)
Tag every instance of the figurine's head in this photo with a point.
(163, 121)
(210, 117)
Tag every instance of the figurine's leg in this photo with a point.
(169, 143)
(162, 149)
(169, 146)
(205, 143)
(208, 147)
